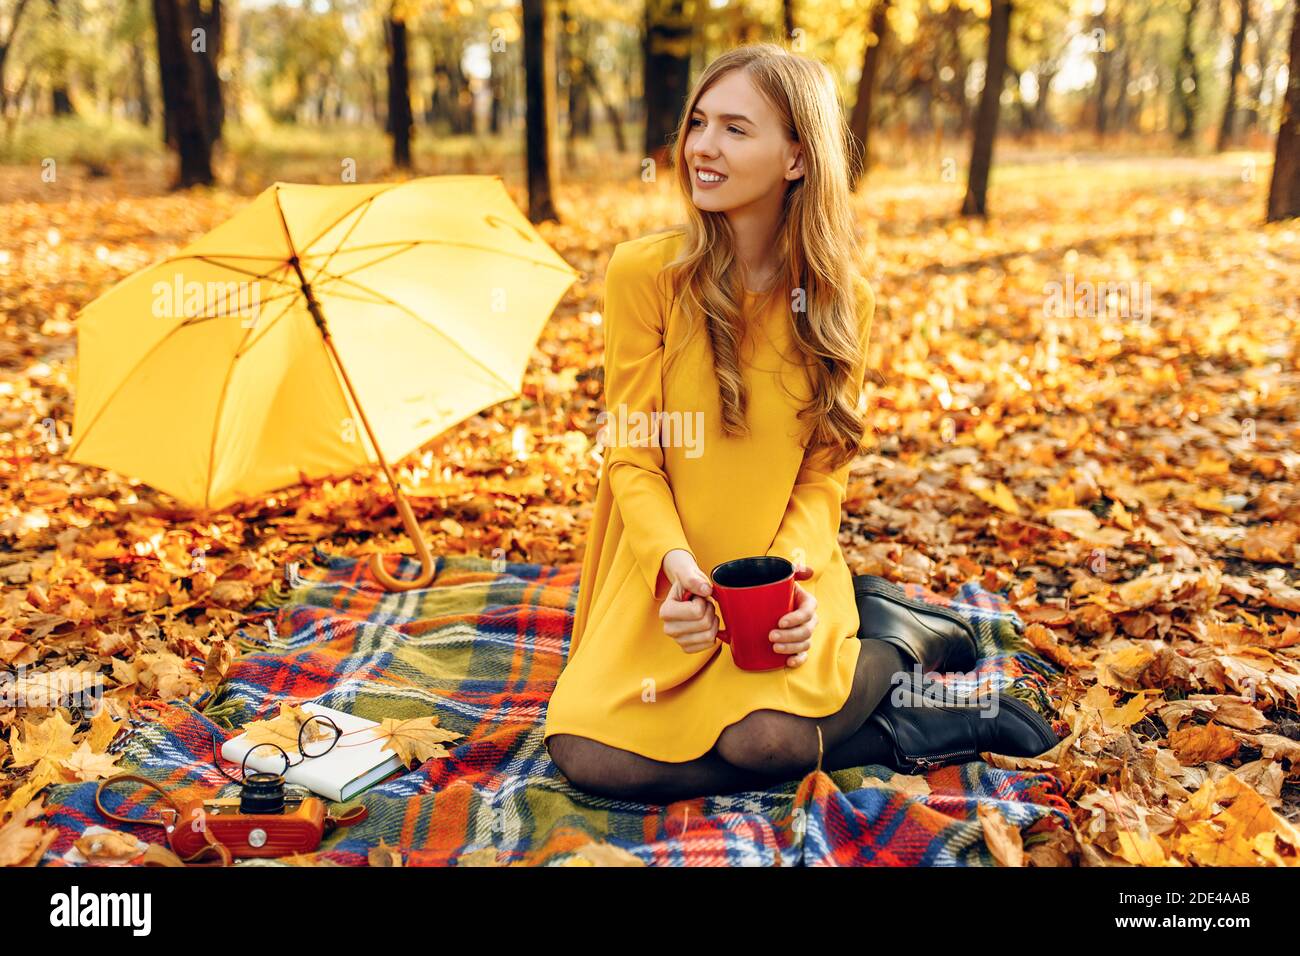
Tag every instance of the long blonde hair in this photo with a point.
(817, 247)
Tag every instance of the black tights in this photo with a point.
(771, 748)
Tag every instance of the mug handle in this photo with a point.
(722, 632)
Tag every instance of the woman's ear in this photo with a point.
(795, 170)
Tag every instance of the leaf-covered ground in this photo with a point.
(1124, 465)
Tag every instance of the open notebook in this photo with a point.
(355, 764)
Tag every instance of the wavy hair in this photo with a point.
(817, 246)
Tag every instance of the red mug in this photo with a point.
(754, 594)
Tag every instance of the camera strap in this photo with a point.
(169, 819)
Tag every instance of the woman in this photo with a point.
(743, 335)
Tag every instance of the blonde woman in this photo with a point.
(741, 339)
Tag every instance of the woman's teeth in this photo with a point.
(711, 177)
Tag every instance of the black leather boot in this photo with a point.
(937, 638)
(929, 734)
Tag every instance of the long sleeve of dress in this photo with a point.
(810, 527)
(634, 345)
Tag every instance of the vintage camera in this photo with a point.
(265, 820)
(262, 821)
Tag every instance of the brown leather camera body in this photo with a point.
(198, 828)
(298, 830)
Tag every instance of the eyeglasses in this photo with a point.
(321, 734)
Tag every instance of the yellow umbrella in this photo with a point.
(245, 362)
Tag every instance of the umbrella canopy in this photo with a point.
(319, 330)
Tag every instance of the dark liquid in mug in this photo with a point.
(751, 572)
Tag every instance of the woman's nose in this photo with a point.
(703, 147)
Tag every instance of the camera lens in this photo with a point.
(263, 793)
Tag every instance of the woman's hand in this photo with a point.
(794, 631)
(692, 624)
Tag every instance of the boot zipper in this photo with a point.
(936, 760)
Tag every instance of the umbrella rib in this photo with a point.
(406, 247)
(196, 319)
(239, 353)
(360, 215)
(135, 368)
(117, 388)
(351, 209)
(281, 264)
(351, 298)
(445, 242)
(225, 255)
(246, 344)
(423, 324)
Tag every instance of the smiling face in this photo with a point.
(736, 133)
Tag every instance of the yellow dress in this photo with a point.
(625, 682)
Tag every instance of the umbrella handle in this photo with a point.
(428, 564)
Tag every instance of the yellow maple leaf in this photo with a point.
(1118, 718)
(42, 774)
(418, 738)
(1211, 500)
(999, 496)
(21, 845)
(103, 728)
(1139, 849)
(1202, 743)
(1120, 515)
(85, 764)
(602, 854)
(283, 729)
(51, 738)
(109, 846)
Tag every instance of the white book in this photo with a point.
(354, 764)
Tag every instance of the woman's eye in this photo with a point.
(732, 129)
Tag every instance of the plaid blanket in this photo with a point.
(481, 648)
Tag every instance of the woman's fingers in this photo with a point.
(791, 647)
(693, 624)
(682, 617)
(695, 646)
(788, 639)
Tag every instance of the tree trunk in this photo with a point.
(1122, 110)
(144, 105)
(611, 111)
(1040, 115)
(1238, 44)
(497, 87)
(1103, 73)
(1189, 99)
(667, 67)
(961, 68)
(1284, 191)
(579, 106)
(539, 94)
(399, 121)
(182, 90)
(372, 95)
(5, 44)
(459, 103)
(206, 16)
(439, 100)
(986, 123)
(60, 102)
(1263, 53)
(860, 118)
